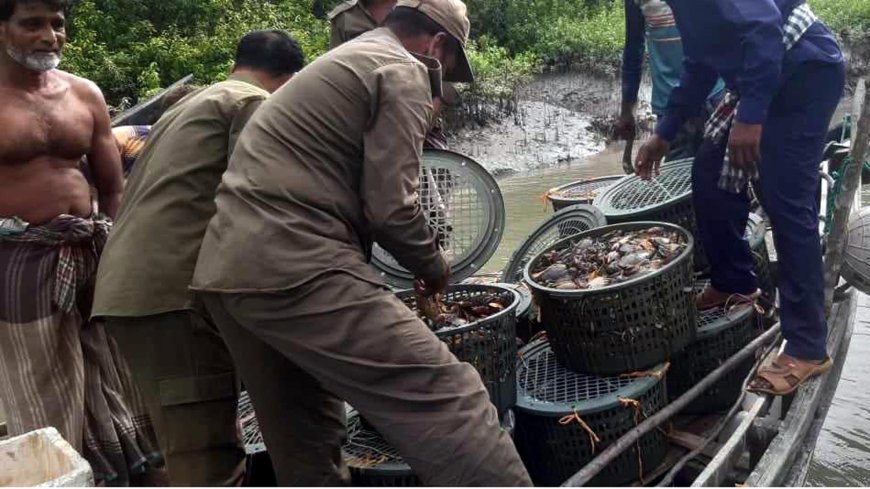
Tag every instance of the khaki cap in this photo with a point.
(452, 15)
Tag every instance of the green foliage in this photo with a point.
(131, 48)
(850, 18)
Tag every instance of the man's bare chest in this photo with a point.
(61, 128)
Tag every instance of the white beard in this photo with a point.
(34, 61)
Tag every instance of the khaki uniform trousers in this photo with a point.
(186, 376)
(338, 337)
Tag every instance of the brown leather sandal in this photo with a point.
(710, 298)
(786, 374)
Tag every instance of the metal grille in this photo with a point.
(582, 192)
(542, 378)
(633, 195)
(250, 427)
(464, 207)
(567, 222)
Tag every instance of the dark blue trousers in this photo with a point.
(791, 150)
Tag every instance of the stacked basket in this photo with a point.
(601, 370)
(489, 345)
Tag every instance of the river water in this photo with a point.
(545, 155)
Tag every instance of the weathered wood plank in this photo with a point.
(716, 471)
(146, 110)
(783, 451)
(836, 241)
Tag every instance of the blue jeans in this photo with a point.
(791, 149)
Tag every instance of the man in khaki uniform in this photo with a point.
(328, 164)
(175, 352)
(354, 17)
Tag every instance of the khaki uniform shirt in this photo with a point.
(347, 21)
(330, 162)
(148, 262)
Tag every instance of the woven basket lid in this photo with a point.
(756, 228)
(250, 427)
(713, 321)
(633, 196)
(582, 191)
(856, 262)
(545, 387)
(567, 222)
(464, 206)
(366, 450)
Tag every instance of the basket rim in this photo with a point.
(525, 302)
(511, 309)
(609, 211)
(686, 255)
(634, 389)
(400, 277)
(575, 211)
(557, 198)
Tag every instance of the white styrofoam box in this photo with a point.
(42, 458)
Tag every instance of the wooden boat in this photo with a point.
(147, 112)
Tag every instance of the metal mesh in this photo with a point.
(553, 451)
(565, 223)
(250, 427)
(622, 328)
(464, 207)
(633, 195)
(582, 192)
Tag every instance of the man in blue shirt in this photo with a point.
(650, 24)
(789, 82)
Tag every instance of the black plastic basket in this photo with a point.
(624, 327)
(721, 334)
(554, 445)
(665, 198)
(563, 224)
(581, 192)
(372, 461)
(489, 345)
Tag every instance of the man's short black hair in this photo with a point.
(406, 21)
(271, 51)
(7, 7)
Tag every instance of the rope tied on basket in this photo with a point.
(734, 301)
(657, 374)
(575, 418)
(638, 412)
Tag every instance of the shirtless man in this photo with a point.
(55, 366)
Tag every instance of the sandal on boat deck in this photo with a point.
(711, 298)
(786, 374)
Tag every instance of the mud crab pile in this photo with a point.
(440, 314)
(615, 257)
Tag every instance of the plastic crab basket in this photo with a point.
(720, 335)
(582, 192)
(489, 345)
(665, 198)
(372, 461)
(554, 404)
(526, 324)
(623, 327)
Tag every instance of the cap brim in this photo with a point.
(461, 73)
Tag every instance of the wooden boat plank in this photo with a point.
(782, 452)
(797, 475)
(717, 470)
(144, 112)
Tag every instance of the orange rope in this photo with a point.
(575, 417)
(638, 412)
(656, 374)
